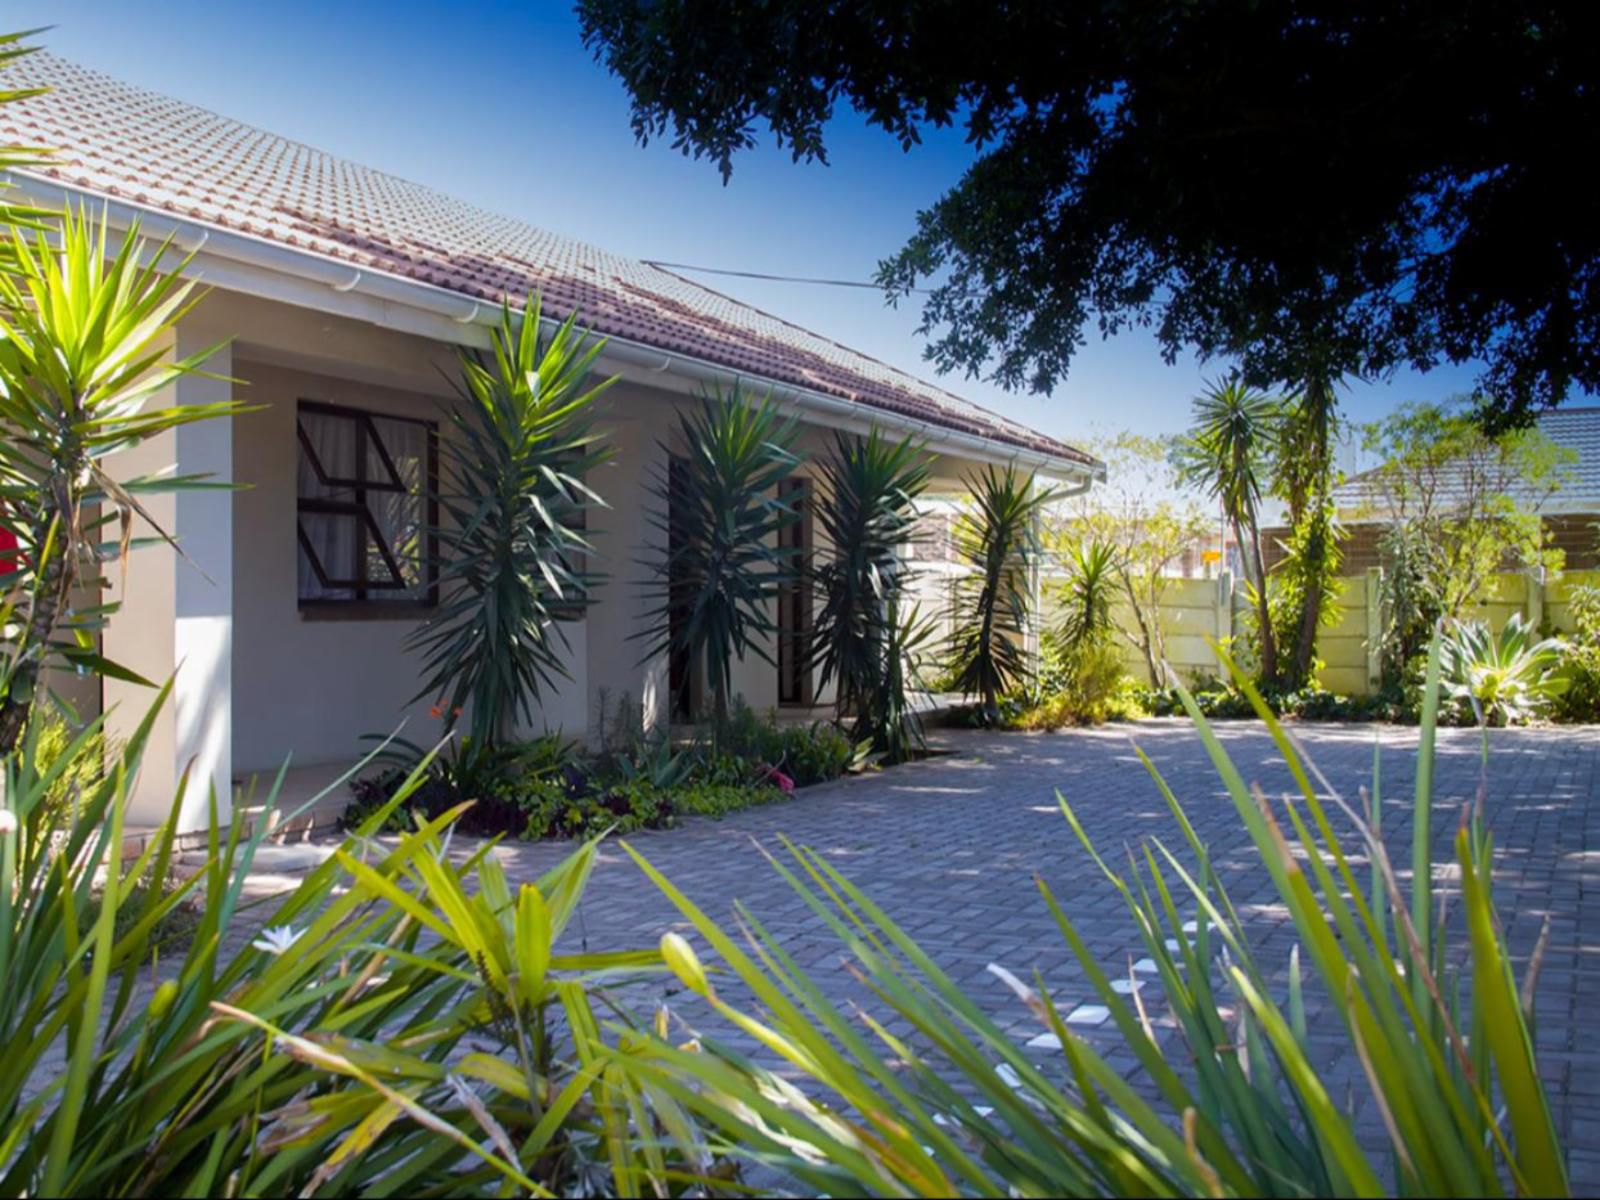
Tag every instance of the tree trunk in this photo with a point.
(1269, 646)
(34, 647)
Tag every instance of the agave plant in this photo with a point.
(515, 554)
(83, 334)
(995, 534)
(922, 1092)
(720, 569)
(1506, 679)
(867, 512)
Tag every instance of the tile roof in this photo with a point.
(138, 146)
(1576, 430)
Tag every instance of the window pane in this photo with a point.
(335, 539)
(401, 517)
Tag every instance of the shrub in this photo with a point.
(951, 1103)
(1091, 687)
(1581, 701)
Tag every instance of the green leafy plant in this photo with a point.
(513, 496)
(996, 536)
(867, 513)
(922, 1092)
(715, 580)
(1581, 700)
(83, 351)
(403, 1022)
(1507, 678)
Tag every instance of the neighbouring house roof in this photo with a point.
(1576, 430)
(143, 148)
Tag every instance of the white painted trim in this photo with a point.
(260, 267)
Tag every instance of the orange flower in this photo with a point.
(456, 712)
(436, 712)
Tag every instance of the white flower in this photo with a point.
(277, 939)
(8, 821)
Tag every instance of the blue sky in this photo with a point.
(500, 104)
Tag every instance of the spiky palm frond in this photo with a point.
(713, 583)
(514, 561)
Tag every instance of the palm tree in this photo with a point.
(996, 536)
(866, 512)
(1229, 452)
(513, 494)
(719, 574)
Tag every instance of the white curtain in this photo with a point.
(335, 538)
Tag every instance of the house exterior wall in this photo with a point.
(276, 683)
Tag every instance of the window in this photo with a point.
(365, 508)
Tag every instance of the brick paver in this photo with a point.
(951, 846)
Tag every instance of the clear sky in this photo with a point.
(499, 103)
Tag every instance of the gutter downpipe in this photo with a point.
(465, 311)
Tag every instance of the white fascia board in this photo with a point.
(270, 270)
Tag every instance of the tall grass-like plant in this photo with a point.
(715, 583)
(867, 512)
(84, 327)
(403, 1023)
(996, 536)
(959, 1106)
(514, 497)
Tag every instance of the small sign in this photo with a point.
(1210, 556)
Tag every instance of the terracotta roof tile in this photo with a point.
(118, 140)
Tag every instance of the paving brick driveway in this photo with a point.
(950, 846)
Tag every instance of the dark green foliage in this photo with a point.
(714, 583)
(996, 536)
(1337, 188)
(867, 513)
(512, 496)
(807, 754)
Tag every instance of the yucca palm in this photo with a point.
(1229, 452)
(866, 510)
(84, 330)
(716, 579)
(1087, 595)
(995, 534)
(514, 554)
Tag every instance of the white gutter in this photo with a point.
(464, 312)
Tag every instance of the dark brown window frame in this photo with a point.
(363, 603)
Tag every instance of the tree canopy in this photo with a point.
(1310, 187)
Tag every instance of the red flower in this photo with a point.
(783, 782)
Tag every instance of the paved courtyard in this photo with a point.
(950, 846)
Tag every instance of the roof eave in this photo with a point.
(339, 288)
